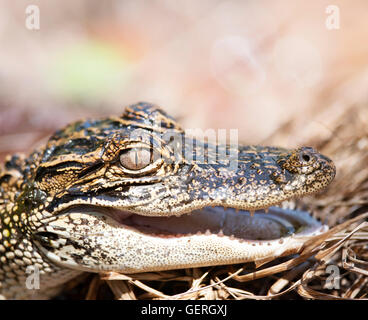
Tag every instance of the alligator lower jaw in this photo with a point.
(133, 243)
(241, 225)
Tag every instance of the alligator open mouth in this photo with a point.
(227, 234)
(204, 237)
(263, 225)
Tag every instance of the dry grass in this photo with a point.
(341, 252)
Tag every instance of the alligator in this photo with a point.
(136, 193)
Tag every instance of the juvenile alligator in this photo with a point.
(124, 194)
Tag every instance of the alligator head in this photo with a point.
(135, 193)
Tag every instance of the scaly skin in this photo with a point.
(134, 194)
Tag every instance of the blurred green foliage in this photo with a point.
(88, 71)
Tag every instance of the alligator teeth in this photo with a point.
(251, 213)
(266, 210)
(221, 233)
(208, 232)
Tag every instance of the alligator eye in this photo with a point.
(135, 158)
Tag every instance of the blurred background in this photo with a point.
(250, 65)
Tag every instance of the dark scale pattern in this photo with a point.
(57, 204)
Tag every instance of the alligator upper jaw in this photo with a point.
(275, 224)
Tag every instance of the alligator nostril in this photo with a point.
(306, 157)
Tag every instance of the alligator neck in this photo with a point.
(24, 271)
